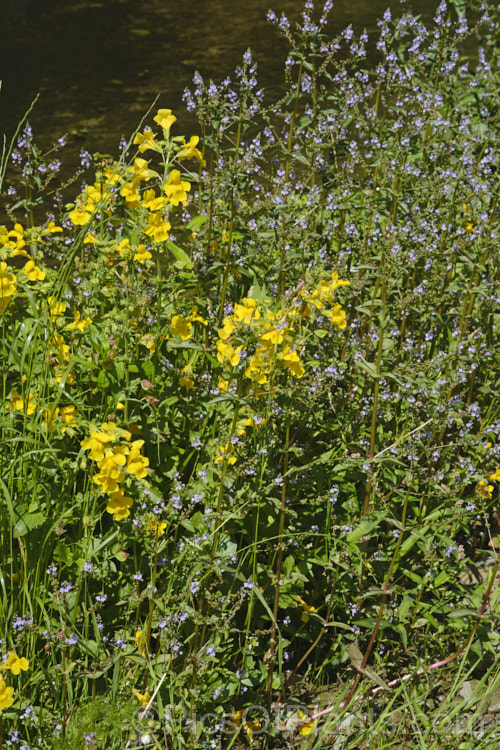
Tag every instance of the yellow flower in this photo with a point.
(7, 286)
(90, 239)
(226, 351)
(155, 527)
(136, 462)
(140, 641)
(149, 341)
(196, 317)
(142, 254)
(495, 475)
(63, 351)
(227, 329)
(51, 228)
(246, 312)
(306, 727)
(16, 241)
(157, 228)
(189, 150)
(130, 192)
(15, 663)
(165, 119)
(6, 695)
(33, 272)
(68, 414)
(95, 444)
(80, 215)
(79, 324)
(119, 505)
(255, 369)
(140, 170)
(56, 308)
(143, 698)
(485, 489)
(181, 327)
(124, 247)
(176, 189)
(146, 141)
(19, 403)
(337, 316)
(223, 385)
(306, 608)
(186, 380)
(151, 201)
(223, 451)
(292, 361)
(249, 726)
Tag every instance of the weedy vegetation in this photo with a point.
(249, 410)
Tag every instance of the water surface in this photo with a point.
(98, 65)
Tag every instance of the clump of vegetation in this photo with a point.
(249, 450)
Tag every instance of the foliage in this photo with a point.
(249, 420)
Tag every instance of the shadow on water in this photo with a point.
(98, 65)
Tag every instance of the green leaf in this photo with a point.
(367, 524)
(179, 254)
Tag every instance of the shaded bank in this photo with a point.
(99, 65)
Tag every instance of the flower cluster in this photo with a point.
(116, 456)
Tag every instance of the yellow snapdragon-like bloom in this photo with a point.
(151, 201)
(63, 351)
(181, 327)
(247, 312)
(6, 695)
(292, 361)
(305, 727)
(155, 527)
(142, 254)
(56, 308)
(15, 663)
(165, 119)
(226, 351)
(337, 316)
(52, 228)
(195, 316)
(146, 141)
(149, 341)
(176, 189)
(306, 609)
(227, 329)
(96, 444)
(224, 451)
(186, 380)
(16, 239)
(140, 642)
(119, 505)
(137, 463)
(249, 726)
(256, 370)
(130, 192)
(140, 171)
(189, 150)
(80, 215)
(495, 475)
(33, 272)
(7, 286)
(19, 403)
(143, 698)
(79, 323)
(157, 228)
(485, 489)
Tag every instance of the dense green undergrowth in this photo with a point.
(250, 434)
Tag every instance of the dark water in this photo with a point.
(99, 65)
